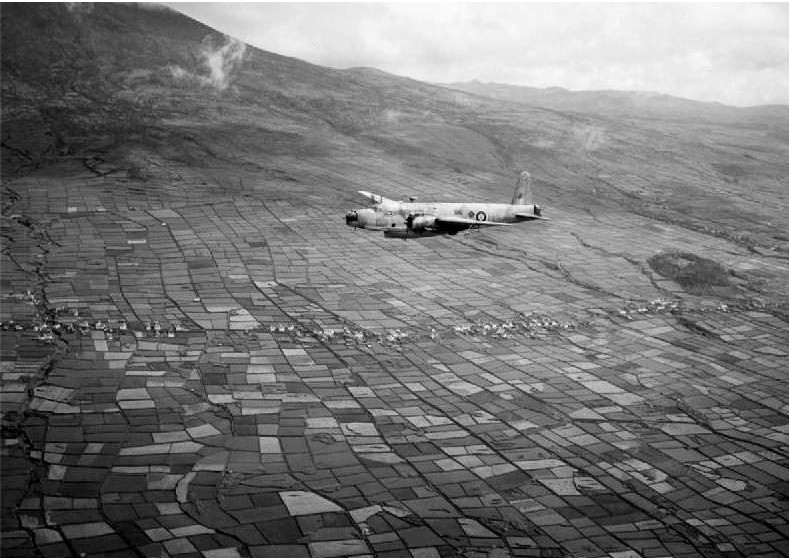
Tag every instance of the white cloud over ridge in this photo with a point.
(734, 53)
(220, 61)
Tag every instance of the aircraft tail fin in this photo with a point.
(523, 192)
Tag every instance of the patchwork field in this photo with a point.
(200, 359)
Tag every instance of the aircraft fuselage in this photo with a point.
(391, 218)
(418, 219)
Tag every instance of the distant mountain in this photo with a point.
(635, 104)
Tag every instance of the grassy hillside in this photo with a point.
(128, 86)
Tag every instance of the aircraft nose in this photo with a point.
(352, 219)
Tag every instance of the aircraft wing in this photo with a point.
(381, 202)
(464, 222)
(375, 198)
(531, 217)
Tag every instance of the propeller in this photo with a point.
(352, 218)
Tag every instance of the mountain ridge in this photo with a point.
(610, 101)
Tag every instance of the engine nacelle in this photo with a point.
(420, 223)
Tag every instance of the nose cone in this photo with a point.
(352, 219)
(361, 218)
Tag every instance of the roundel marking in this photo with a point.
(481, 216)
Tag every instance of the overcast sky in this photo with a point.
(735, 53)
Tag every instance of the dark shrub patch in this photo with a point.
(694, 273)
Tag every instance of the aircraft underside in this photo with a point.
(404, 233)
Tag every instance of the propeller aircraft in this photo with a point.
(420, 219)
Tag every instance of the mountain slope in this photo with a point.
(114, 81)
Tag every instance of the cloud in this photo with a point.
(736, 53)
(222, 61)
(219, 61)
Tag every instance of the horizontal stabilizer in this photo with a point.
(531, 217)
